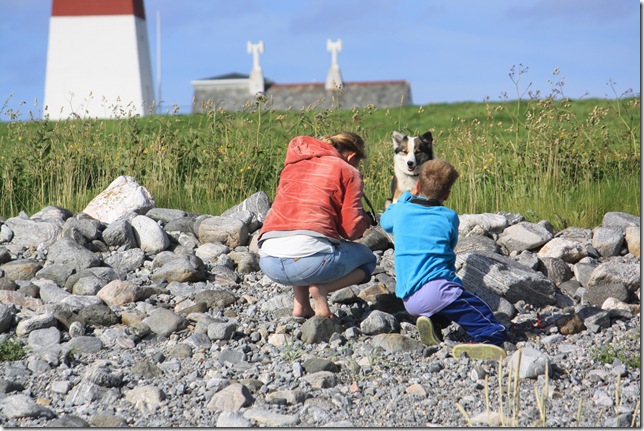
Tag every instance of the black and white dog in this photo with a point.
(409, 153)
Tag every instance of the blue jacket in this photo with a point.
(424, 242)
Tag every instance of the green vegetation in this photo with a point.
(607, 353)
(549, 158)
(11, 350)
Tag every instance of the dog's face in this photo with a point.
(411, 151)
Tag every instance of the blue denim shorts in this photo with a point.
(320, 268)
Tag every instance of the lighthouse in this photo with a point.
(98, 60)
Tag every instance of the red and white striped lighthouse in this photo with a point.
(98, 60)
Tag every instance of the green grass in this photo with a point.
(549, 158)
(11, 350)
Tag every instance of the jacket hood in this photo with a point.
(306, 147)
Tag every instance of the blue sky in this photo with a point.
(449, 50)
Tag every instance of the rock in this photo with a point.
(565, 249)
(165, 322)
(608, 241)
(530, 363)
(632, 237)
(481, 224)
(475, 243)
(25, 327)
(620, 220)
(378, 322)
(321, 379)
(396, 343)
(505, 277)
(23, 406)
(598, 294)
(119, 292)
(555, 269)
(181, 269)
(319, 329)
(149, 236)
(147, 398)
(271, 419)
(231, 398)
(119, 233)
(210, 251)
(165, 215)
(616, 271)
(122, 196)
(24, 269)
(28, 233)
(257, 205)
(524, 236)
(66, 251)
(226, 230)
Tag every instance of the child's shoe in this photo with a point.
(479, 351)
(428, 335)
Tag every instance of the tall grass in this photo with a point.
(544, 157)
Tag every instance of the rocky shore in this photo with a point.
(136, 316)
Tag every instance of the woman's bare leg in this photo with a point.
(301, 304)
(320, 291)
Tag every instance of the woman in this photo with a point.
(305, 241)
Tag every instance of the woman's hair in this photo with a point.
(347, 141)
(436, 178)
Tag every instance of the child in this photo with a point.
(425, 235)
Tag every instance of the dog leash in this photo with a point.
(371, 213)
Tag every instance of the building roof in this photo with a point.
(216, 93)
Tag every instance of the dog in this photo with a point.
(410, 152)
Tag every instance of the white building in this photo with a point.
(98, 60)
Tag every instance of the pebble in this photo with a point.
(182, 343)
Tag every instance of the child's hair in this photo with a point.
(347, 141)
(436, 178)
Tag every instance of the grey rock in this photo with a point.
(229, 231)
(598, 294)
(83, 344)
(56, 272)
(530, 363)
(474, 243)
(127, 261)
(229, 419)
(98, 315)
(562, 248)
(321, 379)
(221, 330)
(231, 398)
(505, 277)
(165, 322)
(68, 421)
(379, 322)
(39, 338)
(149, 235)
(555, 269)
(6, 317)
(258, 205)
(67, 252)
(23, 269)
(119, 234)
(524, 236)
(396, 343)
(122, 196)
(30, 233)
(271, 419)
(23, 406)
(617, 271)
(181, 269)
(319, 329)
(582, 271)
(620, 220)
(608, 241)
(42, 321)
(165, 214)
(484, 224)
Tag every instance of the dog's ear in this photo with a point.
(398, 137)
(428, 137)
